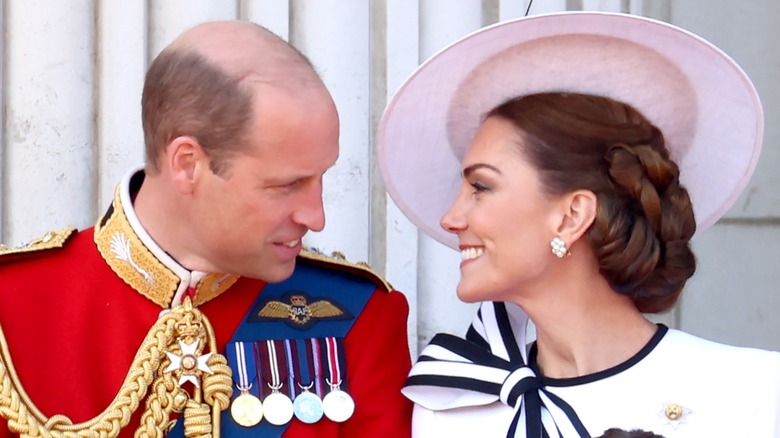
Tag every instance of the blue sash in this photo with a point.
(292, 309)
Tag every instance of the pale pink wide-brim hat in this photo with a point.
(705, 105)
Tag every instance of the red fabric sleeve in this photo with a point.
(378, 360)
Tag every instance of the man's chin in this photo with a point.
(275, 274)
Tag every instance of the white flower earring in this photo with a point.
(558, 247)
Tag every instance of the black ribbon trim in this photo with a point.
(471, 351)
(505, 328)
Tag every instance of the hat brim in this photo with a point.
(705, 105)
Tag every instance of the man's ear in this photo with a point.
(186, 159)
(579, 211)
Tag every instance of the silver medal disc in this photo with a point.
(278, 409)
(308, 407)
(338, 406)
(246, 410)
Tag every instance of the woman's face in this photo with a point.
(503, 221)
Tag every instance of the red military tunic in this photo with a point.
(74, 318)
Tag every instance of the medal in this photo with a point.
(246, 409)
(277, 407)
(337, 405)
(307, 406)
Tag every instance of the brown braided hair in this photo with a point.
(644, 220)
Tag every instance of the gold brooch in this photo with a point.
(674, 414)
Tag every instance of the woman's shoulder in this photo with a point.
(681, 339)
(697, 351)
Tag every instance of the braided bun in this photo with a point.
(644, 220)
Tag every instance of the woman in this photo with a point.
(591, 147)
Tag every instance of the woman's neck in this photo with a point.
(581, 330)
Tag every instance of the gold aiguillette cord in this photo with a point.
(182, 326)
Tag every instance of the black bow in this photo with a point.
(490, 365)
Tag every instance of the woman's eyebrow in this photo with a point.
(469, 170)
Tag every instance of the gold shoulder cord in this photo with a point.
(171, 354)
(338, 259)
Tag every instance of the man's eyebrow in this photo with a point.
(474, 167)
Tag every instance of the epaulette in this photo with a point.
(50, 240)
(339, 261)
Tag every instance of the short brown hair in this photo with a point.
(186, 95)
(644, 220)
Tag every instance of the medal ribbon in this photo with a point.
(317, 362)
(291, 369)
(304, 365)
(242, 365)
(274, 374)
(335, 354)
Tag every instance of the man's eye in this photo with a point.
(287, 185)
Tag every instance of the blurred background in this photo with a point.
(71, 74)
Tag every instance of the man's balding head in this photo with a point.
(247, 51)
(204, 85)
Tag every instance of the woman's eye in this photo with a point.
(479, 187)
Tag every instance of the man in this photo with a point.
(124, 324)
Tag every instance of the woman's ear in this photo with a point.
(579, 211)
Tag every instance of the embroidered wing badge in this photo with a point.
(299, 311)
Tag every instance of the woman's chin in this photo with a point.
(469, 295)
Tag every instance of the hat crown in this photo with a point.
(704, 104)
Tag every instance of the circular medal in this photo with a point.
(338, 406)
(278, 408)
(246, 410)
(308, 407)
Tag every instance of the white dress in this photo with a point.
(677, 386)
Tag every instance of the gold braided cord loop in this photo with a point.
(197, 420)
(25, 419)
(218, 386)
(155, 421)
(183, 324)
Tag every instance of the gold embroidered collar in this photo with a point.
(141, 263)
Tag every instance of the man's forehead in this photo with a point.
(285, 121)
(209, 38)
(241, 48)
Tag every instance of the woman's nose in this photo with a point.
(453, 221)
